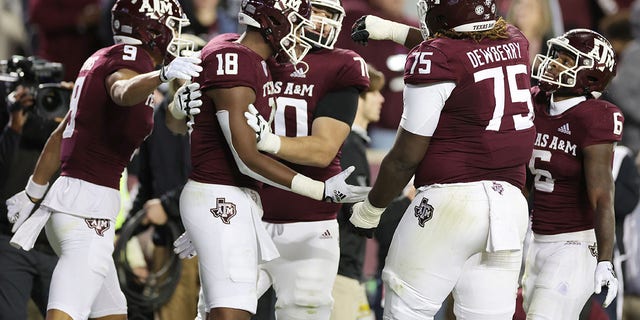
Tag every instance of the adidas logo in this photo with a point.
(326, 235)
(298, 74)
(565, 129)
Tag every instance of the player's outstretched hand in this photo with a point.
(20, 205)
(370, 27)
(181, 68)
(187, 101)
(337, 190)
(183, 247)
(359, 32)
(605, 276)
(267, 141)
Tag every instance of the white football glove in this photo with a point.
(267, 141)
(187, 101)
(337, 190)
(605, 276)
(20, 206)
(183, 247)
(181, 68)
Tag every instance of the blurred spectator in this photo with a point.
(13, 38)
(164, 168)
(534, 19)
(617, 29)
(210, 18)
(581, 14)
(24, 275)
(623, 90)
(350, 299)
(66, 31)
(386, 56)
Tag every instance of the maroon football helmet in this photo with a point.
(459, 15)
(156, 25)
(281, 23)
(594, 67)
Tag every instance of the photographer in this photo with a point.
(23, 274)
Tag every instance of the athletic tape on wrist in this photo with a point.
(307, 187)
(35, 190)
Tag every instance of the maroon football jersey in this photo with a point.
(101, 136)
(226, 64)
(560, 202)
(485, 131)
(298, 95)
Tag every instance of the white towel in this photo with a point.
(503, 229)
(25, 237)
(267, 249)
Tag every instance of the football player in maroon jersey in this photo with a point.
(315, 107)
(111, 112)
(466, 134)
(572, 217)
(220, 206)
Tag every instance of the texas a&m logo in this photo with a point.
(155, 8)
(423, 211)
(99, 225)
(224, 210)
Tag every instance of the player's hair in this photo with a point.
(499, 31)
(376, 80)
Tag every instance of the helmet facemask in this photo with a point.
(325, 30)
(178, 46)
(292, 44)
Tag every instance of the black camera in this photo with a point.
(42, 78)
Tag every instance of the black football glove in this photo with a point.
(359, 31)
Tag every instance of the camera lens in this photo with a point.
(52, 101)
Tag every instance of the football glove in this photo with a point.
(605, 276)
(337, 190)
(181, 68)
(365, 217)
(20, 205)
(187, 101)
(183, 247)
(371, 27)
(267, 141)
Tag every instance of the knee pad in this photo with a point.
(402, 302)
(310, 298)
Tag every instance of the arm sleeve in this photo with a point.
(340, 105)
(171, 203)
(423, 105)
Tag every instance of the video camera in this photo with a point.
(42, 78)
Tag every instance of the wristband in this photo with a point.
(162, 75)
(399, 32)
(382, 29)
(307, 187)
(34, 190)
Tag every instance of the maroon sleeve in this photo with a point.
(427, 64)
(352, 72)
(123, 56)
(605, 125)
